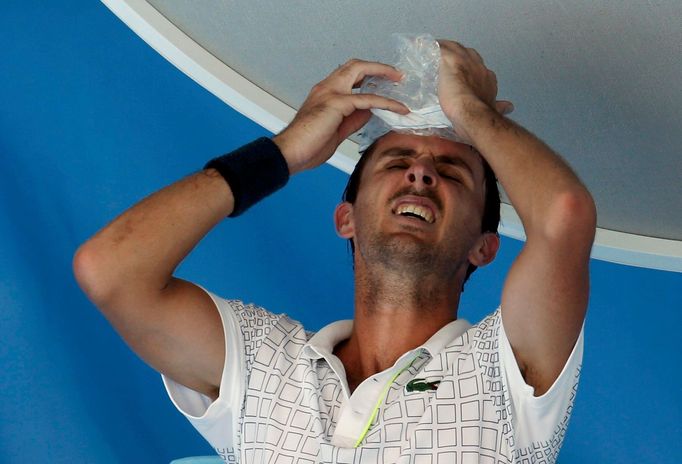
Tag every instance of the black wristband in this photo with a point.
(253, 172)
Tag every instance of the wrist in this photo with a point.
(282, 142)
(465, 109)
(469, 115)
(252, 172)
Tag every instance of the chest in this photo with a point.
(449, 408)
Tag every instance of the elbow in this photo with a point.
(89, 275)
(572, 218)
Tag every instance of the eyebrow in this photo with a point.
(398, 152)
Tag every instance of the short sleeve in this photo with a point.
(255, 324)
(244, 328)
(540, 419)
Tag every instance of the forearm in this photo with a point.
(547, 195)
(139, 250)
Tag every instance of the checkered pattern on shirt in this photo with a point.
(292, 404)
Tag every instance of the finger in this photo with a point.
(475, 55)
(354, 71)
(367, 101)
(452, 46)
(504, 107)
(493, 79)
(449, 44)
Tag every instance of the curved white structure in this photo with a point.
(273, 114)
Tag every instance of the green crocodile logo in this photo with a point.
(421, 385)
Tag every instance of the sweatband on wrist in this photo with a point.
(253, 172)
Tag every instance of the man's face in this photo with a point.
(420, 204)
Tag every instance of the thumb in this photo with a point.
(504, 107)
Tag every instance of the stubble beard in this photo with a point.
(408, 256)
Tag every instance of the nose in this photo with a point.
(421, 173)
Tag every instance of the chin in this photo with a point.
(402, 251)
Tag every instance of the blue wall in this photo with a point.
(92, 120)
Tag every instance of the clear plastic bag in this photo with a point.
(418, 57)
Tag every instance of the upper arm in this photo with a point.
(545, 295)
(177, 331)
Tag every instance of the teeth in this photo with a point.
(417, 210)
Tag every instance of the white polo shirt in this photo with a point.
(458, 398)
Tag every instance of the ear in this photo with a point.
(343, 220)
(485, 249)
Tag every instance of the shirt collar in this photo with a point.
(321, 345)
(445, 335)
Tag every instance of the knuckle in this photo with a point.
(346, 68)
(352, 64)
(361, 100)
(319, 89)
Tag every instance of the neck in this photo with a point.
(394, 313)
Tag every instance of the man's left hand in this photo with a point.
(466, 85)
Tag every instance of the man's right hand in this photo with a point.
(332, 112)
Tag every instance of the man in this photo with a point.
(406, 381)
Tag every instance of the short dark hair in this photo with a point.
(491, 207)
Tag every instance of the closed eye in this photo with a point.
(397, 165)
(451, 176)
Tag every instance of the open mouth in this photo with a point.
(415, 211)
